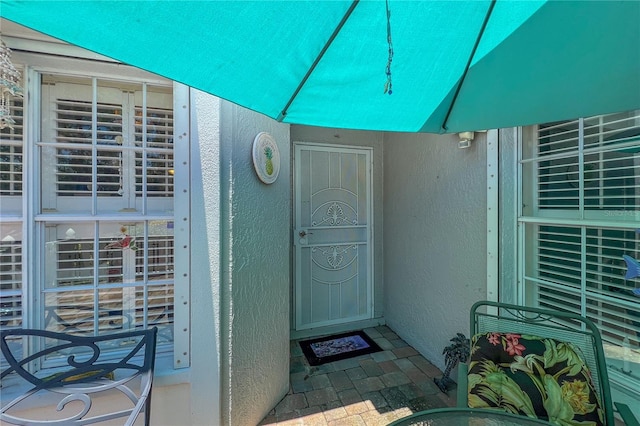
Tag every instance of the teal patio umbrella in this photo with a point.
(416, 66)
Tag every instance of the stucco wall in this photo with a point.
(204, 399)
(435, 237)
(255, 235)
(365, 139)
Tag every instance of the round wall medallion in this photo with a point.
(266, 157)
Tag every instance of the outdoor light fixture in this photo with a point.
(465, 139)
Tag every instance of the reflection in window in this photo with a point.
(10, 275)
(129, 286)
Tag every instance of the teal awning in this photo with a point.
(456, 65)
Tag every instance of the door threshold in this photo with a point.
(336, 328)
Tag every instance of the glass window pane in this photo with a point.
(69, 255)
(154, 134)
(11, 274)
(158, 252)
(107, 140)
(159, 312)
(130, 286)
(70, 311)
(11, 152)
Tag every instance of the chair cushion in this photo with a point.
(532, 376)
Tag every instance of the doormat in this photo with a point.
(339, 346)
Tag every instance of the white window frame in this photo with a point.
(629, 386)
(36, 64)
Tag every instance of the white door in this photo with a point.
(332, 235)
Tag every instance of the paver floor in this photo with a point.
(369, 390)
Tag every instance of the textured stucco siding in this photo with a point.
(204, 397)
(435, 237)
(256, 223)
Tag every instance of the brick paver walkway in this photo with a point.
(370, 390)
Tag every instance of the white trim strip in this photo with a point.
(492, 216)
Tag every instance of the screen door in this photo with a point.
(332, 235)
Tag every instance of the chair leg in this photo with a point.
(147, 410)
(627, 416)
(462, 391)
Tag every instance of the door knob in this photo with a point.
(304, 233)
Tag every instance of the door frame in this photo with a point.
(370, 252)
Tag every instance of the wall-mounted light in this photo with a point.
(465, 139)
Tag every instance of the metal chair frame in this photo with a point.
(86, 374)
(497, 317)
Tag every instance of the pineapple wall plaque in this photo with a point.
(266, 157)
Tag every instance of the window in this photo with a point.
(11, 218)
(580, 214)
(92, 227)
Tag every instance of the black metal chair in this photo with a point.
(77, 370)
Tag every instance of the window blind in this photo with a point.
(158, 141)
(591, 165)
(11, 152)
(581, 215)
(74, 129)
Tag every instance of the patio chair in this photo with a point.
(84, 377)
(539, 363)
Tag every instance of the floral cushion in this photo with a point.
(532, 376)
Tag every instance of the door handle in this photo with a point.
(304, 233)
